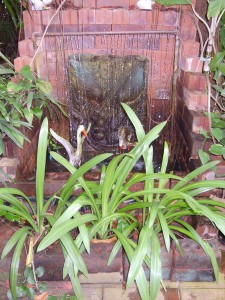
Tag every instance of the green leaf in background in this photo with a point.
(215, 8)
(4, 71)
(44, 86)
(216, 75)
(218, 133)
(174, 2)
(38, 112)
(26, 73)
(222, 37)
(217, 60)
(204, 156)
(40, 271)
(222, 68)
(29, 100)
(217, 149)
(42, 287)
(28, 115)
(11, 86)
(205, 133)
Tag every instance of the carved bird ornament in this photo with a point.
(75, 155)
(124, 136)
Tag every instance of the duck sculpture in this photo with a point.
(74, 154)
(40, 4)
(124, 136)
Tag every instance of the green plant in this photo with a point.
(213, 55)
(28, 284)
(217, 134)
(15, 8)
(37, 221)
(21, 101)
(163, 209)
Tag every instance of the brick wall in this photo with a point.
(117, 16)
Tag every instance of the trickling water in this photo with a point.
(98, 86)
(134, 68)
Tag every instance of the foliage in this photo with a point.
(111, 199)
(29, 285)
(164, 215)
(20, 102)
(36, 219)
(14, 8)
(214, 67)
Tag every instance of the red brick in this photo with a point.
(194, 81)
(195, 100)
(89, 4)
(143, 17)
(26, 48)
(100, 17)
(134, 17)
(190, 48)
(8, 166)
(113, 3)
(74, 17)
(171, 18)
(121, 16)
(36, 17)
(149, 17)
(117, 17)
(132, 4)
(19, 62)
(205, 228)
(188, 29)
(126, 17)
(28, 28)
(91, 16)
(196, 120)
(96, 27)
(83, 16)
(129, 27)
(38, 28)
(66, 16)
(191, 64)
(47, 15)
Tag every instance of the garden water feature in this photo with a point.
(127, 71)
(88, 65)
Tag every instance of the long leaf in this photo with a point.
(205, 246)
(58, 232)
(118, 244)
(156, 268)
(165, 229)
(15, 266)
(127, 163)
(140, 279)
(17, 212)
(41, 163)
(74, 254)
(139, 254)
(195, 173)
(14, 239)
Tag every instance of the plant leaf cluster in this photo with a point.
(111, 200)
(21, 101)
